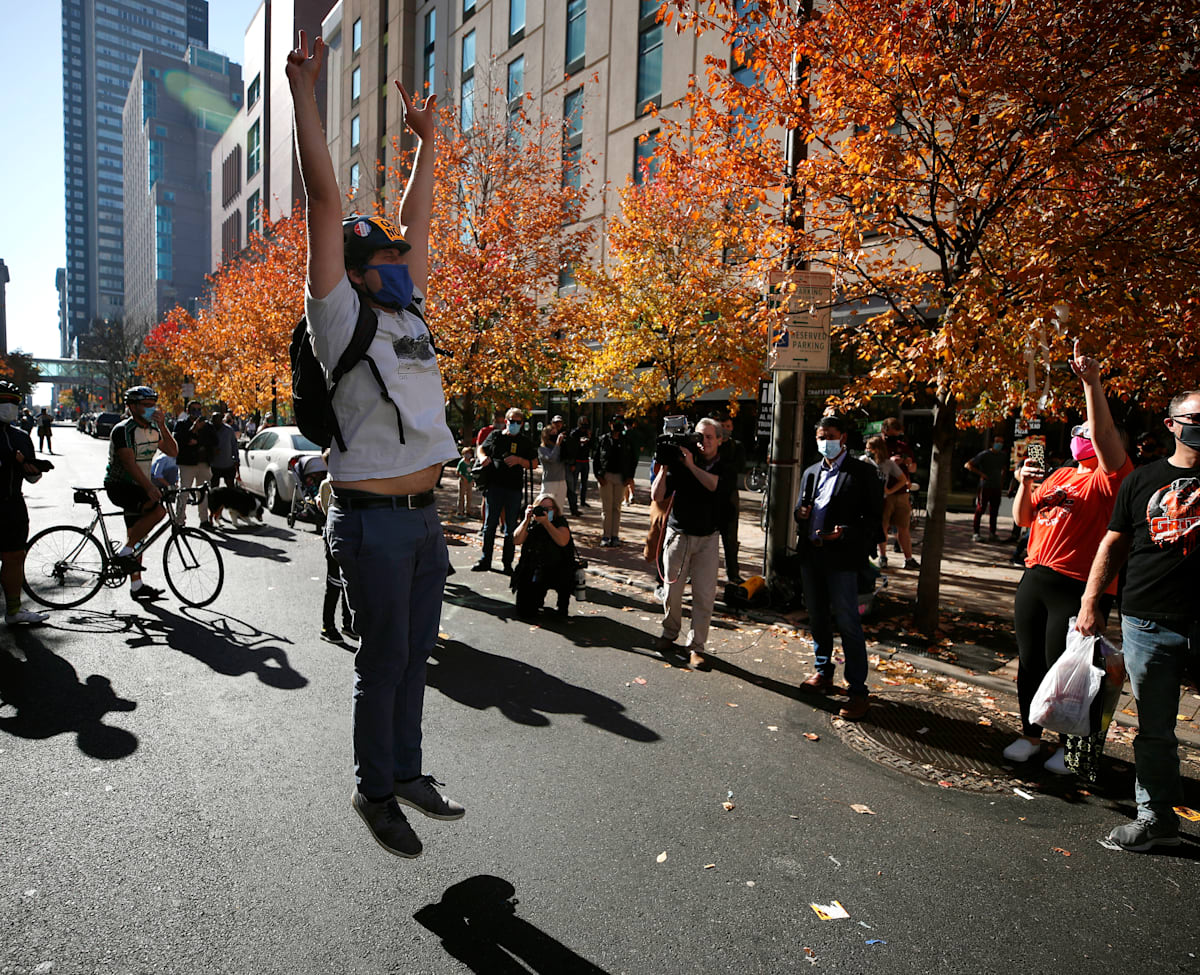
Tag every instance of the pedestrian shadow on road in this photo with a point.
(241, 545)
(478, 924)
(50, 700)
(522, 693)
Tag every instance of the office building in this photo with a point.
(101, 44)
(255, 174)
(175, 112)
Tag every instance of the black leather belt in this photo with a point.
(363, 499)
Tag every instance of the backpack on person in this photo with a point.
(312, 397)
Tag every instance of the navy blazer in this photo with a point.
(857, 503)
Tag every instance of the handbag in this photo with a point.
(1063, 701)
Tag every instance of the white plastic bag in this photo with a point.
(1064, 698)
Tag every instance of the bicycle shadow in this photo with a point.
(240, 544)
(478, 924)
(225, 644)
(50, 700)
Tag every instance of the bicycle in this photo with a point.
(66, 565)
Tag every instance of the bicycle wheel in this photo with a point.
(192, 567)
(64, 567)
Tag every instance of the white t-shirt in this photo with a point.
(403, 352)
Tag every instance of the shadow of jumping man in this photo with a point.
(522, 693)
(478, 924)
(50, 700)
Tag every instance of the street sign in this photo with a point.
(766, 399)
(802, 344)
(188, 391)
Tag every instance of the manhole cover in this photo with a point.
(936, 739)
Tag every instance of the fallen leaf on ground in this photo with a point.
(709, 866)
(830, 912)
(945, 785)
(1189, 814)
(858, 807)
(730, 704)
(1059, 849)
(811, 737)
(639, 680)
(662, 857)
(727, 805)
(986, 722)
(443, 636)
(1128, 711)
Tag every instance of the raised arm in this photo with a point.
(416, 208)
(323, 200)
(1110, 451)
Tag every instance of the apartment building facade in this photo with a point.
(255, 174)
(101, 42)
(175, 112)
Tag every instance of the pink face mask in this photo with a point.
(1081, 448)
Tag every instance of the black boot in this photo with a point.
(509, 549)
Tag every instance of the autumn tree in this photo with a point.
(160, 363)
(670, 316)
(971, 166)
(506, 226)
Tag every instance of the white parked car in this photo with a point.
(264, 466)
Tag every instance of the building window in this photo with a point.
(466, 102)
(572, 153)
(355, 133)
(649, 58)
(231, 236)
(253, 151)
(231, 176)
(516, 85)
(516, 20)
(430, 63)
(566, 277)
(468, 54)
(356, 36)
(644, 163)
(253, 216)
(157, 157)
(164, 227)
(149, 99)
(253, 90)
(355, 174)
(576, 33)
(468, 9)
(355, 84)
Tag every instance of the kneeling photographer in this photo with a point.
(698, 481)
(547, 557)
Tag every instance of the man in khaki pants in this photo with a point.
(699, 487)
(614, 464)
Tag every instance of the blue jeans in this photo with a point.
(831, 596)
(506, 501)
(1156, 657)
(394, 566)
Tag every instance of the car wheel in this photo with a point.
(275, 503)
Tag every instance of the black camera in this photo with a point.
(669, 448)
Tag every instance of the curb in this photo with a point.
(988, 681)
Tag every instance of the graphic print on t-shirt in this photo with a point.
(409, 348)
(1173, 514)
(1056, 505)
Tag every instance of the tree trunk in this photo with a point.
(945, 433)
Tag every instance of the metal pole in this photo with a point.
(787, 419)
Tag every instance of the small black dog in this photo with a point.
(236, 504)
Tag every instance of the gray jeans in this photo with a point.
(394, 564)
(695, 556)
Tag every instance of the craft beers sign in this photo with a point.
(801, 342)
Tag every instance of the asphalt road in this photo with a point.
(176, 783)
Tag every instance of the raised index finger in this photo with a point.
(303, 42)
(1076, 349)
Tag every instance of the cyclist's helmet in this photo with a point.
(362, 236)
(139, 394)
(9, 393)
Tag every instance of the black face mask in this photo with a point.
(1188, 434)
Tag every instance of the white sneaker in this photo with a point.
(1022, 750)
(1057, 763)
(25, 616)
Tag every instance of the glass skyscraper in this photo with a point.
(101, 42)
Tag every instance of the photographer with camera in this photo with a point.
(507, 454)
(614, 464)
(547, 558)
(698, 480)
(839, 515)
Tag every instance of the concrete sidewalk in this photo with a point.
(978, 581)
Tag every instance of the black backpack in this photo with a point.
(312, 399)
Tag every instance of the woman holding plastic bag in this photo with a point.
(1068, 514)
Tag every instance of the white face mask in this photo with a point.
(9, 412)
(829, 449)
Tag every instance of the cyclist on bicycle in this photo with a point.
(128, 482)
(16, 466)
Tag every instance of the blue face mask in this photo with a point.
(829, 449)
(147, 411)
(395, 285)
(514, 427)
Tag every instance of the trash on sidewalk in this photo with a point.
(662, 857)
(1023, 794)
(830, 912)
(1189, 814)
(858, 807)
(875, 941)
(812, 737)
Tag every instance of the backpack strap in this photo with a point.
(365, 330)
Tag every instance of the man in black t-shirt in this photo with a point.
(17, 465)
(1156, 527)
(699, 488)
(509, 455)
(989, 466)
(196, 439)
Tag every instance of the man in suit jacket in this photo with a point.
(839, 514)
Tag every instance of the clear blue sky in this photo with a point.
(32, 234)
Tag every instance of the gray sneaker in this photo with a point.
(1143, 834)
(422, 794)
(388, 825)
